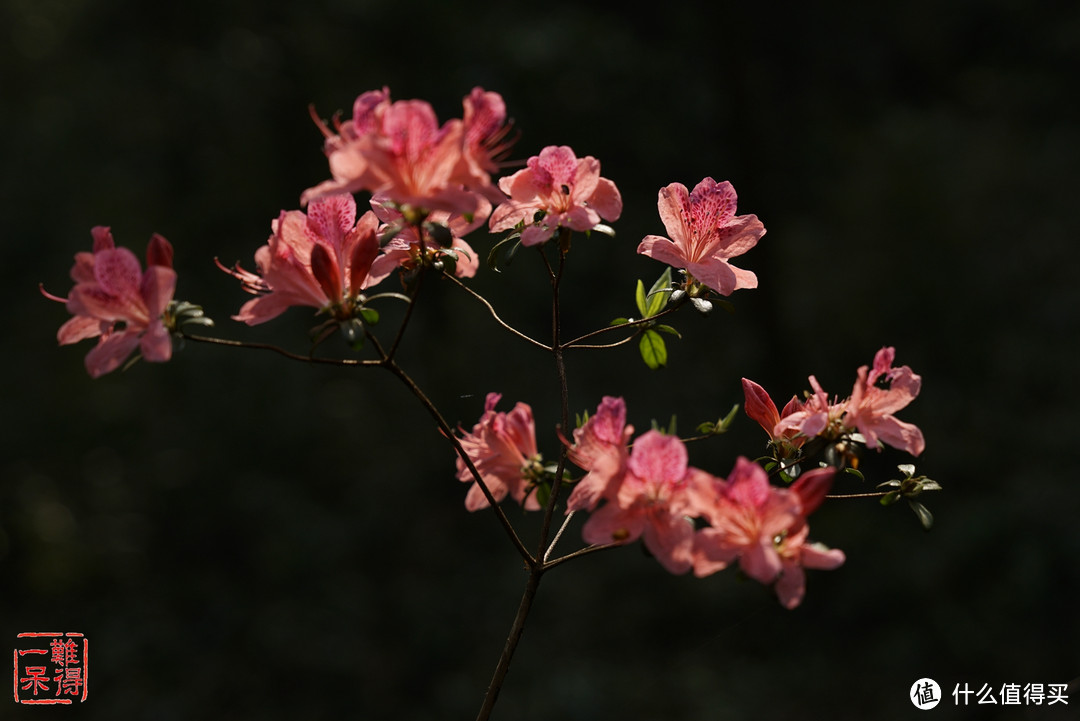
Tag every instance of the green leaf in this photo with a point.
(923, 514)
(727, 305)
(619, 321)
(727, 420)
(181, 313)
(659, 293)
(669, 330)
(653, 350)
(370, 315)
(663, 282)
(449, 259)
(890, 498)
(639, 298)
(707, 428)
(657, 301)
(543, 493)
(440, 234)
(856, 473)
(493, 254)
(512, 252)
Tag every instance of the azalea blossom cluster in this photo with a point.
(687, 518)
(430, 184)
(866, 416)
(120, 304)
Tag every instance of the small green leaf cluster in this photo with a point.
(180, 313)
(651, 346)
(908, 488)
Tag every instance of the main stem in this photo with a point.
(512, 639)
(538, 564)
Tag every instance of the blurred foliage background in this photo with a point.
(245, 537)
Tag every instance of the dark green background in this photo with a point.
(244, 537)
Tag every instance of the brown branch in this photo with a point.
(280, 351)
(576, 342)
(582, 552)
(448, 432)
(491, 309)
(388, 363)
(512, 640)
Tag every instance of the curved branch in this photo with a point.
(387, 362)
(408, 314)
(582, 552)
(616, 344)
(280, 351)
(877, 494)
(640, 321)
(448, 432)
(494, 315)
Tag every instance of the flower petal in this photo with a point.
(110, 352)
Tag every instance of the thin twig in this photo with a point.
(607, 329)
(387, 362)
(491, 309)
(408, 314)
(616, 344)
(558, 535)
(448, 432)
(564, 397)
(280, 351)
(858, 495)
(582, 552)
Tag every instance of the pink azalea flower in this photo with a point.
(764, 528)
(746, 515)
(816, 417)
(486, 141)
(760, 407)
(399, 150)
(404, 250)
(502, 446)
(321, 259)
(704, 234)
(600, 447)
(795, 552)
(795, 555)
(878, 393)
(569, 191)
(119, 303)
(655, 496)
(346, 150)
